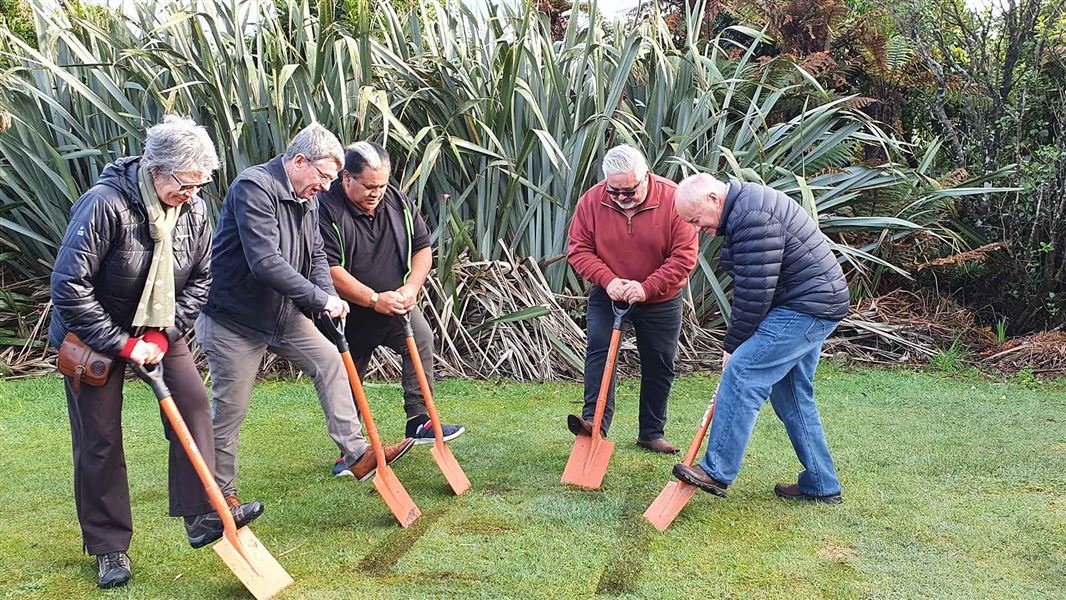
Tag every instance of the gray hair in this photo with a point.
(365, 155)
(624, 159)
(316, 142)
(178, 144)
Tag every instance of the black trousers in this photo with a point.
(101, 488)
(657, 327)
(366, 331)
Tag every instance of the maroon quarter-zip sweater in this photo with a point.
(653, 246)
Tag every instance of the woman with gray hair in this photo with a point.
(129, 280)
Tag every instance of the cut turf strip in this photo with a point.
(622, 574)
(380, 559)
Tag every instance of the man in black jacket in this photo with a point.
(378, 249)
(789, 293)
(269, 274)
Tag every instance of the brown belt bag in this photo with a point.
(82, 363)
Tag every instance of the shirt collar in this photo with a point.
(292, 190)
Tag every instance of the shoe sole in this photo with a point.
(831, 500)
(375, 469)
(654, 451)
(710, 489)
(433, 439)
(116, 584)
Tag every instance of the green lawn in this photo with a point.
(952, 489)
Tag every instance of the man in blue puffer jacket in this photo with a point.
(789, 294)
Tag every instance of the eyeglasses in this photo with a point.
(185, 187)
(622, 192)
(325, 178)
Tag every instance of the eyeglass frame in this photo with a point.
(322, 176)
(195, 187)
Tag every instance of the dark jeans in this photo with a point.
(657, 327)
(101, 489)
(365, 332)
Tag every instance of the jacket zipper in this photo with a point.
(629, 218)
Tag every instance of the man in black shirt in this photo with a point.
(379, 253)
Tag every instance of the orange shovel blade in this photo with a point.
(588, 462)
(453, 473)
(255, 566)
(395, 496)
(668, 504)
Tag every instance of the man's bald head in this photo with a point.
(699, 200)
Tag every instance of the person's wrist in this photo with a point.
(373, 300)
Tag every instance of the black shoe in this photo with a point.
(697, 477)
(420, 429)
(791, 491)
(113, 569)
(206, 528)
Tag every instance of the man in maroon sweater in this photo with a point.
(627, 240)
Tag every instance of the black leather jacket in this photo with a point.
(103, 261)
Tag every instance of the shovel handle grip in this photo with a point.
(332, 328)
(620, 309)
(408, 331)
(153, 376)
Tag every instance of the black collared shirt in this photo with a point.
(374, 249)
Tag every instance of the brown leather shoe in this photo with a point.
(699, 478)
(232, 501)
(791, 491)
(660, 445)
(578, 426)
(367, 465)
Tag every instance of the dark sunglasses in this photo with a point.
(184, 187)
(623, 192)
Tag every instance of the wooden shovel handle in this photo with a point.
(697, 441)
(605, 383)
(214, 494)
(364, 408)
(423, 382)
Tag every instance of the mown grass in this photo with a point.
(952, 490)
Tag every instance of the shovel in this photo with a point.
(385, 480)
(453, 473)
(242, 552)
(590, 455)
(676, 494)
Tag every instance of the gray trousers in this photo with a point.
(234, 360)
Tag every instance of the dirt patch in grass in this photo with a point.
(481, 525)
(494, 489)
(841, 555)
(622, 573)
(383, 556)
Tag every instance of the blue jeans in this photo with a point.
(778, 361)
(657, 328)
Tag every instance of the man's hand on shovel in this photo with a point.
(633, 292)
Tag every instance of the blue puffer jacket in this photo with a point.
(777, 256)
